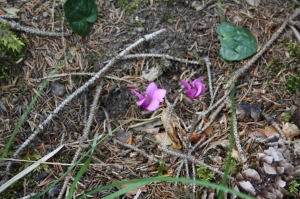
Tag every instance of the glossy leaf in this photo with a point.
(236, 43)
(80, 15)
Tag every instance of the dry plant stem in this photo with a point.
(135, 149)
(295, 32)
(194, 160)
(16, 26)
(137, 195)
(81, 89)
(177, 171)
(212, 117)
(208, 64)
(29, 196)
(85, 101)
(107, 119)
(89, 74)
(84, 137)
(237, 137)
(196, 146)
(9, 16)
(215, 93)
(160, 56)
(295, 23)
(64, 45)
(194, 177)
(186, 164)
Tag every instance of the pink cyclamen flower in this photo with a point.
(153, 94)
(195, 89)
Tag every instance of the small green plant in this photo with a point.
(35, 157)
(274, 66)
(287, 117)
(235, 167)
(204, 173)
(292, 84)
(80, 15)
(161, 169)
(10, 52)
(293, 49)
(293, 188)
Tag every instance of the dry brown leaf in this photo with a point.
(290, 130)
(270, 130)
(196, 137)
(173, 127)
(170, 171)
(235, 155)
(173, 144)
(209, 131)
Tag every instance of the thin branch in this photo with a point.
(86, 131)
(16, 26)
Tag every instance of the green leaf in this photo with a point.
(144, 181)
(80, 15)
(236, 43)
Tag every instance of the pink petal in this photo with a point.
(141, 97)
(153, 105)
(191, 93)
(186, 84)
(151, 89)
(200, 89)
(143, 103)
(196, 81)
(159, 94)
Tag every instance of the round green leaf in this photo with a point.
(80, 15)
(236, 43)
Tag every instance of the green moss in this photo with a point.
(11, 53)
(35, 157)
(292, 84)
(131, 6)
(205, 174)
(274, 66)
(293, 188)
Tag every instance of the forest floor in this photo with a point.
(135, 149)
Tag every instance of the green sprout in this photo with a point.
(287, 117)
(161, 169)
(204, 173)
(235, 167)
(293, 188)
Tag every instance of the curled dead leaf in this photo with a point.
(196, 137)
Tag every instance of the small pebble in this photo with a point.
(58, 89)
(54, 191)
